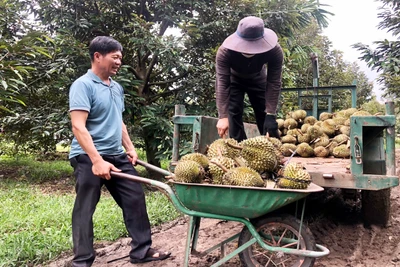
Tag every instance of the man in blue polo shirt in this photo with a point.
(100, 136)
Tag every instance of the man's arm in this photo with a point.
(222, 90)
(128, 145)
(100, 167)
(274, 79)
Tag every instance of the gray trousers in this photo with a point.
(128, 195)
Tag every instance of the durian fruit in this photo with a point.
(339, 120)
(304, 127)
(323, 140)
(304, 138)
(243, 176)
(299, 115)
(341, 151)
(260, 141)
(276, 142)
(350, 111)
(325, 115)
(321, 152)
(310, 120)
(332, 146)
(344, 130)
(189, 171)
(290, 123)
(361, 113)
(314, 131)
(215, 169)
(294, 132)
(220, 148)
(289, 139)
(328, 127)
(217, 148)
(294, 177)
(280, 123)
(305, 150)
(341, 138)
(198, 157)
(259, 153)
(287, 149)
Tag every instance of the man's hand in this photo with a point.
(102, 169)
(132, 156)
(223, 127)
(271, 126)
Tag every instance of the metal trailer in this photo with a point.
(370, 170)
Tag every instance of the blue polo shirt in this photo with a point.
(105, 104)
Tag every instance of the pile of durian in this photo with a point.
(254, 162)
(309, 137)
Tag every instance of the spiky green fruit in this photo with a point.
(314, 131)
(294, 177)
(341, 151)
(344, 130)
(198, 157)
(305, 150)
(287, 149)
(243, 176)
(310, 120)
(328, 127)
(303, 138)
(189, 171)
(341, 138)
(325, 115)
(220, 148)
(323, 140)
(289, 139)
(260, 159)
(361, 113)
(321, 152)
(290, 123)
(299, 115)
(280, 123)
(215, 171)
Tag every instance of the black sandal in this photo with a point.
(151, 256)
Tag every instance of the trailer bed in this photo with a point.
(324, 165)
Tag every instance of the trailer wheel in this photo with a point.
(281, 227)
(375, 206)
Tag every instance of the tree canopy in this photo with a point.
(168, 58)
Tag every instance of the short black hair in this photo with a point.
(103, 45)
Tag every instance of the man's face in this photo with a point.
(110, 63)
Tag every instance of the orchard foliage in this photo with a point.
(168, 58)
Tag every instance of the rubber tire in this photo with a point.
(375, 206)
(284, 219)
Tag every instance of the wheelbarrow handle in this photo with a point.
(152, 167)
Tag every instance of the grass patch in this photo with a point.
(36, 227)
(35, 214)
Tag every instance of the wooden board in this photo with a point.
(324, 165)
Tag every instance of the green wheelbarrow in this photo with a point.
(267, 239)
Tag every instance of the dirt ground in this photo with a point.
(335, 223)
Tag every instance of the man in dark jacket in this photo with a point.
(248, 61)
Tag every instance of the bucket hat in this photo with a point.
(251, 37)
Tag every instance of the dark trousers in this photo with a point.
(255, 89)
(129, 196)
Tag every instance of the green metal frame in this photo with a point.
(373, 134)
(194, 224)
(316, 95)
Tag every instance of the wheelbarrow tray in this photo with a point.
(237, 201)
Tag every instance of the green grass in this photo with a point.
(36, 223)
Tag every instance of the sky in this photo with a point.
(355, 21)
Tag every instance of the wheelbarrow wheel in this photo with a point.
(274, 231)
